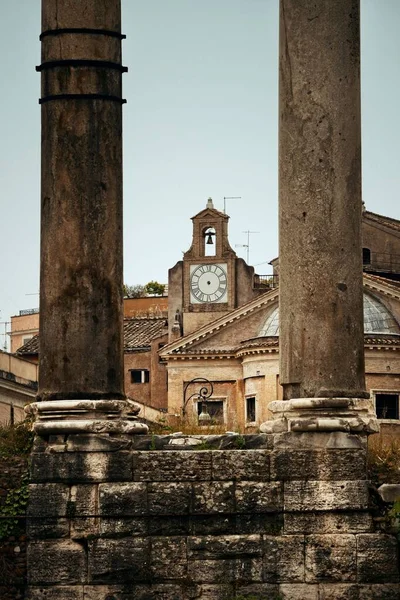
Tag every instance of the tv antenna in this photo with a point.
(247, 245)
(230, 198)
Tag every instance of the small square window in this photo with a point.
(251, 409)
(215, 409)
(387, 406)
(140, 376)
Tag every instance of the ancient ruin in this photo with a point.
(283, 514)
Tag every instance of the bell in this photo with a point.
(209, 239)
(204, 415)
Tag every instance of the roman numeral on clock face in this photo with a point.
(208, 283)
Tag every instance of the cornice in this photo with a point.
(207, 330)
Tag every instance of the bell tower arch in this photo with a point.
(211, 280)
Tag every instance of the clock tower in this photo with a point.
(211, 280)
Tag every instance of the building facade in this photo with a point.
(231, 338)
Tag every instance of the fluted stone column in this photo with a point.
(321, 304)
(81, 313)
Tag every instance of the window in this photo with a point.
(215, 409)
(140, 376)
(387, 405)
(366, 256)
(250, 409)
(26, 339)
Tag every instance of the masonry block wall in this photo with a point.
(210, 518)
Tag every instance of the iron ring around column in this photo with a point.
(82, 97)
(81, 30)
(82, 62)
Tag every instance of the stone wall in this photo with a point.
(206, 517)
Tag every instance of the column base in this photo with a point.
(354, 415)
(89, 416)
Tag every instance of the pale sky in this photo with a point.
(201, 120)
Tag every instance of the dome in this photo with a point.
(377, 319)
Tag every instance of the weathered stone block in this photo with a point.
(56, 562)
(328, 522)
(169, 525)
(258, 497)
(85, 506)
(325, 495)
(212, 524)
(331, 558)
(339, 591)
(211, 592)
(51, 528)
(169, 498)
(283, 558)
(213, 497)
(163, 591)
(389, 492)
(211, 571)
(214, 571)
(251, 465)
(116, 561)
(55, 593)
(48, 500)
(333, 439)
(226, 546)
(262, 523)
(257, 590)
(47, 510)
(117, 527)
(174, 466)
(330, 464)
(122, 499)
(298, 591)
(169, 558)
(96, 442)
(377, 558)
(384, 591)
(80, 467)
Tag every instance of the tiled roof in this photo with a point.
(381, 340)
(30, 347)
(387, 221)
(379, 279)
(138, 334)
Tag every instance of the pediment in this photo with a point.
(210, 213)
(226, 333)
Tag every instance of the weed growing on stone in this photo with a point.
(383, 459)
(13, 507)
(15, 440)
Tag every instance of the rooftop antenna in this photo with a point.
(247, 245)
(230, 198)
(5, 323)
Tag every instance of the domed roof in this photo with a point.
(377, 319)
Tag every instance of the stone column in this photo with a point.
(321, 304)
(81, 383)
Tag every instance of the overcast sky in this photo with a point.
(201, 120)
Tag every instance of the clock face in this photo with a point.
(208, 283)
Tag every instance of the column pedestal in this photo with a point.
(85, 416)
(354, 415)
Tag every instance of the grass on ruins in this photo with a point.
(383, 459)
(15, 440)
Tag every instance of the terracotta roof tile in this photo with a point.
(138, 334)
(30, 347)
(387, 221)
